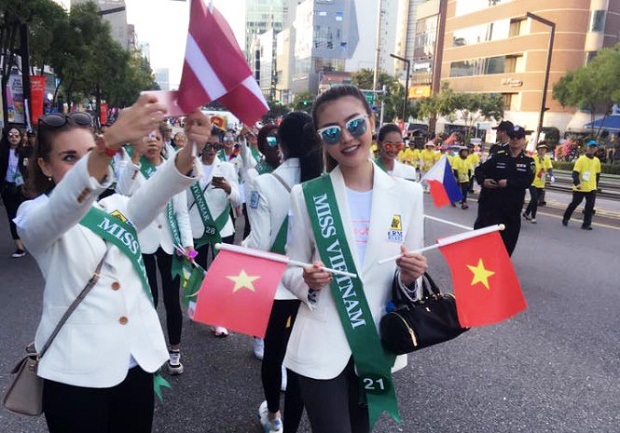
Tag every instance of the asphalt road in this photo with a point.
(553, 368)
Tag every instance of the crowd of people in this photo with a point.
(135, 201)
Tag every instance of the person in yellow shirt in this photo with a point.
(474, 161)
(461, 166)
(543, 167)
(586, 174)
(428, 157)
(410, 155)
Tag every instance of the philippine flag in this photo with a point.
(442, 183)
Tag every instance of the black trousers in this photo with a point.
(490, 215)
(464, 190)
(124, 408)
(278, 332)
(203, 252)
(170, 288)
(532, 207)
(578, 197)
(333, 405)
(12, 197)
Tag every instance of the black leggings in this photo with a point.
(124, 408)
(12, 197)
(332, 405)
(279, 328)
(532, 207)
(170, 288)
(464, 190)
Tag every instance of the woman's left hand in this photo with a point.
(197, 130)
(412, 266)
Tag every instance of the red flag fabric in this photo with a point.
(238, 292)
(215, 68)
(486, 286)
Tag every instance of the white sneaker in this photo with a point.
(284, 379)
(269, 425)
(174, 363)
(258, 347)
(220, 331)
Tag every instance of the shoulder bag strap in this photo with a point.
(91, 283)
(282, 181)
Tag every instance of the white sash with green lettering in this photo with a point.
(372, 362)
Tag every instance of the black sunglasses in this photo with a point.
(216, 146)
(58, 120)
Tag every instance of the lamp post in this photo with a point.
(543, 108)
(408, 63)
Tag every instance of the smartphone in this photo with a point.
(217, 179)
(169, 99)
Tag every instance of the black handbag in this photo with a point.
(414, 325)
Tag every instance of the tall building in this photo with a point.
(116, 18)
(162, 77)
(261, 16)
(326, 37)
(405, 29)
(490, 46)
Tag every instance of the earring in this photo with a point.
(49, 178)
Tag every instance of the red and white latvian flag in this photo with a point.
(215, 68)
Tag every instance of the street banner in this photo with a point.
(37, 96)
(103, 113)
(15, 100)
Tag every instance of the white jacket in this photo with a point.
(318, 347)
(158, 233)
(268, 205)
(116, 320)
(404, 171)
(216, 199)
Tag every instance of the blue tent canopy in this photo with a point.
(610, 123)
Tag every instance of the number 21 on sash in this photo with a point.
(374, 385)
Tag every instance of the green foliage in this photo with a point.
(552, 136)
(594, 87)
(276, 109)
(303, 102)
(568, 166)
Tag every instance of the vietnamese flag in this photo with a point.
(486, 286)
(238, 292)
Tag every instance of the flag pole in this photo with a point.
(277, 258)
(432, 218)
(450, 240)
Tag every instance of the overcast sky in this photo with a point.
(163, 24)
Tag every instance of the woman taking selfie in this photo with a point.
(99, 369)
(349, 219)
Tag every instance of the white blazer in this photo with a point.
(268, 205)
(158, 233)
(403, 171)
(318, 347)
(116, 321)
(216, 198)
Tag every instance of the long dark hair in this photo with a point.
(298, 139)
(4, 143)
(330, 95)
(38, 183)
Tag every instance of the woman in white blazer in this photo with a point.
(99, 370)
(390, 142)
(219, 188)
(382, 217)
(157, 242)
(268, 210)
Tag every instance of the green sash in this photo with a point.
(380, 164)
(211, 234)
(222, 155)
(263, 167)
(255, 154)
(178, 262)
(120, 233)
(280, 242)
(372, 362)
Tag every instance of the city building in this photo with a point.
(260, 17)
(285, 41)
(405, 33)
(116, 16)
(267, 63)
(162, 77)
(491, 46)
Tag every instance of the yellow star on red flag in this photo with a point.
(243, 281)
(481, 274)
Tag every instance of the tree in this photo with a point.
(474, 107)
(276, 109)
(594, 87)
(444, 103)
(303, 102)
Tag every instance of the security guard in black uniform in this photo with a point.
(504, 129)
(504, 177)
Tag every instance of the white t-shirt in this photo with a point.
(360, 204)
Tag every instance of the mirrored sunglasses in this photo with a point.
(272, 141)
(393, 146)
(229, 139)
(332, 134)
(13, 134)
(58, 120)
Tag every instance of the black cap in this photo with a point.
(517, 132)
(505, 125)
